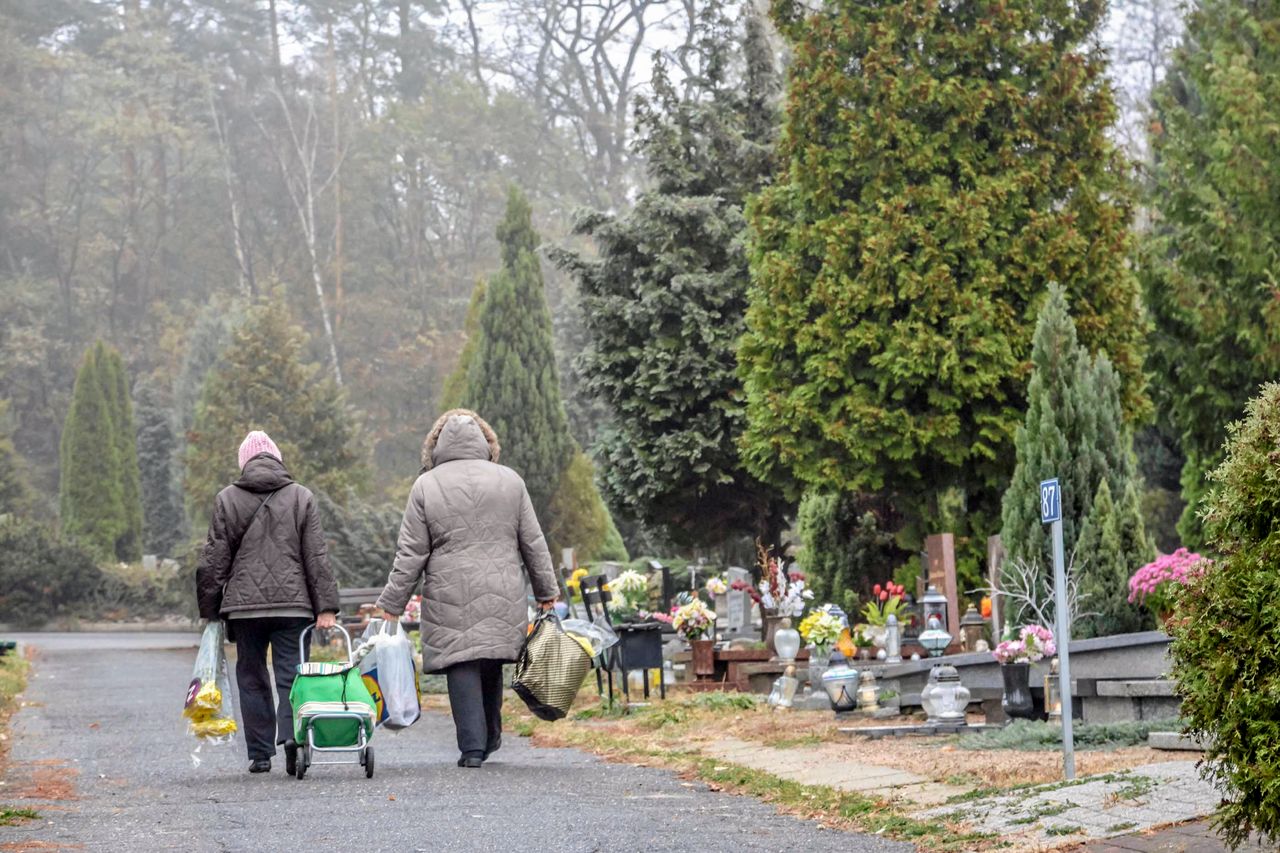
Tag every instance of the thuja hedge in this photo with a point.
(1226, 646)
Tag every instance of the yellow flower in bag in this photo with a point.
(214, 728)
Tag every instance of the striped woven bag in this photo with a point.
(550, 670)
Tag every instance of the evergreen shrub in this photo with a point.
(1226, 625)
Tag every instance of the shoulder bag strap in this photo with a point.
(252, 519)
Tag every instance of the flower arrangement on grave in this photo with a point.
(412, 610)
(782, 592)
(630, 592)
(716, 585)
(1034, 643)
(1157, 584)
(886, 600)
(821, 629)
(693, 621)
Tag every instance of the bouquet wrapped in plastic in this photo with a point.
(208, 706)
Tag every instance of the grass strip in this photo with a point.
(844, 809)
(13, 680)
(13, 817)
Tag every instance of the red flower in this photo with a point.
(884, 596)
(876, 589)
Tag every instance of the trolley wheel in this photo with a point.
(304, 761)
(291, 757)
(368, 762)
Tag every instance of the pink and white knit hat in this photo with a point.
(257, 442)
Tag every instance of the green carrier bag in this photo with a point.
(321, 688)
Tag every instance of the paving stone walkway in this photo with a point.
(1108, 806)
(1194, 837)
(811, 766)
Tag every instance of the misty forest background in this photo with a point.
(327, 195)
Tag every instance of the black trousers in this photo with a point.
(268, 719)
(475, 697)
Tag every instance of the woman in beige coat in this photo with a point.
(470, 532)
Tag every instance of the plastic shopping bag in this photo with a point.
(386, 666)
(208, 703)
(594, 638)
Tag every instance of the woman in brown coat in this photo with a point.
(470, 532)
(265, 569)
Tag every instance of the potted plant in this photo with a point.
(1016, 656)
(1157, 584)
(639, 633)
(887, 600)
(820, 630)
(696, 622)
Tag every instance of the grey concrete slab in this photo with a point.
(104, 715)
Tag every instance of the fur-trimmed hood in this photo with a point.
(459, 434)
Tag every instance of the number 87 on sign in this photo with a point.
(1050, 501)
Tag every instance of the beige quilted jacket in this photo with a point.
(470, 532)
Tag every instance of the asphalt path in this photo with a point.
(103, 714)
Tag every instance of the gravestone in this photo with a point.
(940, 551)
(738, 618)
(995, 560)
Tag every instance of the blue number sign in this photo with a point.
(1050, 501)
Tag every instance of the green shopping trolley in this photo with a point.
(333, 713)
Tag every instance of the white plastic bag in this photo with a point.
(599, 634)
(208, 708)
(386, 665)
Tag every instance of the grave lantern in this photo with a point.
(868, 692)
(971, 625)
(933, 638)
(934, 603)
(892, 640)
(1053, 693)
(944, 698)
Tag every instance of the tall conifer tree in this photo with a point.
(1073, 430)
(124, 433)
(99, 494)
(513, 383)
(262, 382)
(939, 164)
(664, 302)
(512, 380)
(1209, 270)
(164, 521)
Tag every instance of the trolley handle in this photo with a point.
(302, 643)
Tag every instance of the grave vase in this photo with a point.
(818, 661)
(1017, 700)
(704, 658)
(770, 623)
(786, 640)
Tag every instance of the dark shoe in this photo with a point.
(260, 765)
(493, 747)
(472, 761)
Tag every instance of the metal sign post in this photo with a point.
(1051, 514)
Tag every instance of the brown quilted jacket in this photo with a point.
(281, 561)
(470, 532)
